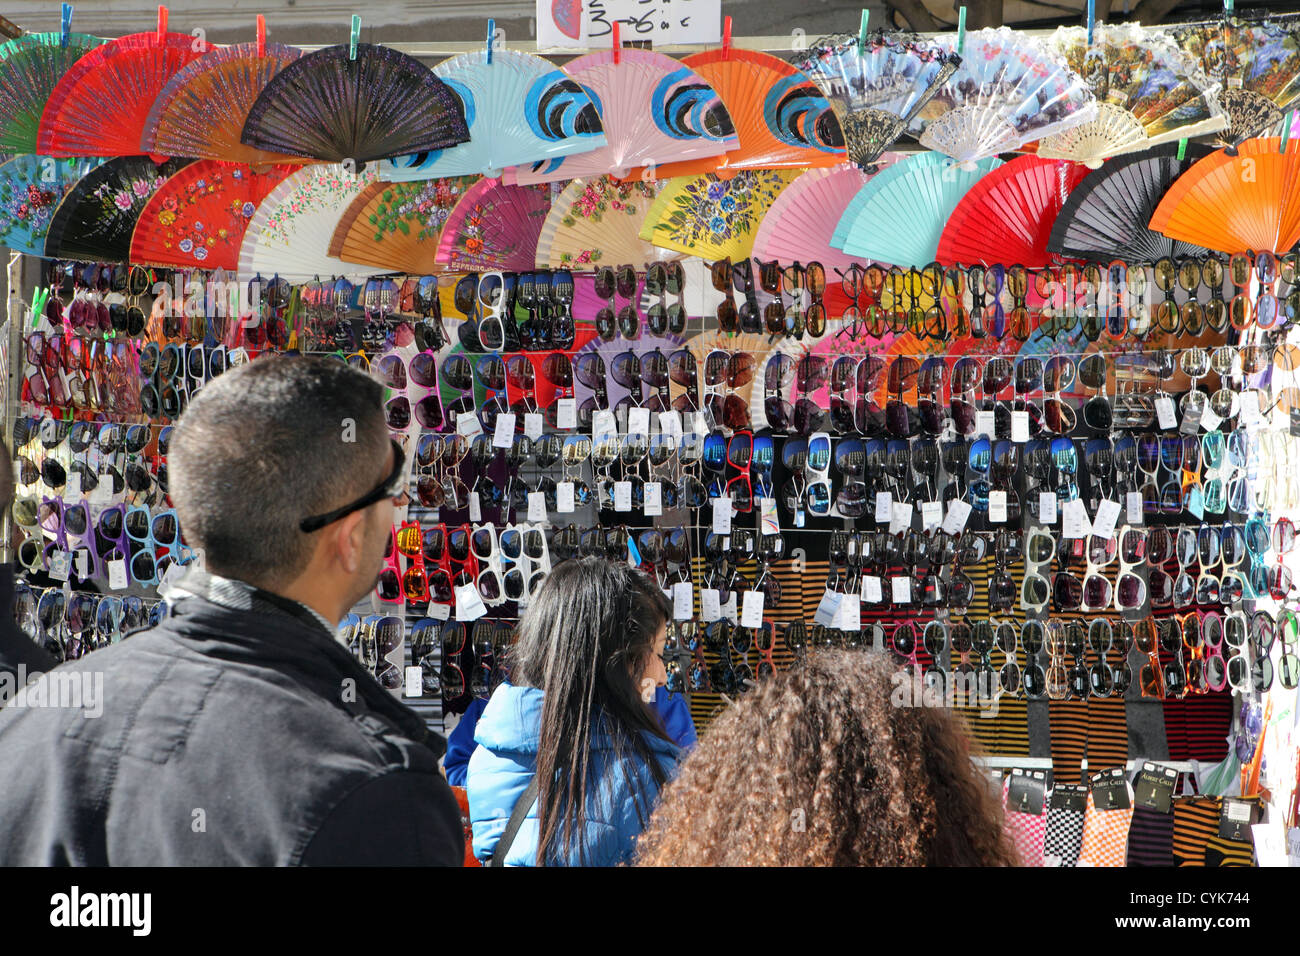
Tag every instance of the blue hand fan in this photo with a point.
(899, 215)
(31, 188)
(519, 108)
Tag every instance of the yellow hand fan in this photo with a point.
(395, 226)
(1244, 203)
(714, 218)
(596, 222)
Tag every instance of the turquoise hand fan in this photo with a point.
(31, 187)
(899, 215)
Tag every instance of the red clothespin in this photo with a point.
(261, 35)
(618, 45)
(726, 36)
(162, 24)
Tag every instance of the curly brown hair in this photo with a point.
(817, 768)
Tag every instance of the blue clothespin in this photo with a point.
(1286, 131)
(1092, 19)
(356, 36)
(65, 25)
(492, 30)
(961, 31)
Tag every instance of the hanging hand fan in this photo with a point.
(95, 221)
(30, 68)
(1148, 92)
(1106, 216)
(31, 188)
(519, 108)
(1244, 203)
(396, 226)
(597, 222)
(899, 215)
(1257, 64)
(494, 226)
(1007, 216)
(100, 105)
(653, 110)
(202, 109)
(199, 216)
(289, 234)
(799, 225)
(1010, 89)
(876, 90)
(332, 108)
(714, 218)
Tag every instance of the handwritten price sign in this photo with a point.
(590, 23)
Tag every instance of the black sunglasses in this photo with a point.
(391, 487)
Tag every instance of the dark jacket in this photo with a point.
(15, 646)
(237, 732)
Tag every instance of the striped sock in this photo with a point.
(1196, 822)
(1151, 838)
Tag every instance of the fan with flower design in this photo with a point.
(494, 226)
(714, 218)
(597, 222)
(396, 226)
(30, 190)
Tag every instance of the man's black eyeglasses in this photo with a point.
(391, 487)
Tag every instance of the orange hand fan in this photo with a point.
(1244, 203)
(396, 226)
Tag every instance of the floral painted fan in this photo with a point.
(202, 109)
(199, 216)
(30, 68)
(597, 222)
(494, 226)
(714, 218)
(31, 188)
(877, 89)
(97, 217)
(653, 109)
(1148, 92)
(335, 108)
(1257, 64)
(396, 226)
(1009, 90)
(520, 109)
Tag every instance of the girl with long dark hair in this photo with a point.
(576, 719)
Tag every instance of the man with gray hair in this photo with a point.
(239, 731)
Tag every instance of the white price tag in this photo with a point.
(769, 520)
(985, 423)
(200, 559)
(683, 601)
(901, 588)
(1133, 507)
(414, 681)
(958, 513)
(83, 564)
(1250, 409)
(828, 607)
(602, 424)
(654, 499)
(533, 425)
(475, 507)
(884, 507)
(1047, 507)
(722, 516)
(998, 506)
(751, 612)
(1020, 426)
(1210, 420)
(931, 515)
(117, 575)
(72, 488)
(503, 435)
(1103, 525)
(537, 506)
(622, 496)
(638, 421)
(670, 423)
(710, 607)
(564, 497)
(102, 493)
(1074, 520)
(872, 592)
(850, 616)
(566, 413)
(440, 612)
(1165, 416)
(60, 565)
(469, 605)
(900, 518)
(729, 609)
(467, 424)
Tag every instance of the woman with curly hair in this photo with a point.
(818, 768)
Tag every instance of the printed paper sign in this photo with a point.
(589, 24)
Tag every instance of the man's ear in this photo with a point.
(349, 541)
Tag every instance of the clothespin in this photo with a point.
(1182, 149)
(726, 36)
(1229, 6)
(162, 24)
(1092, 19)
(961, 30)
(356, 36)
(862, 29)
(1286, 131)
(492, 31)
(261, 35)
(618, 45)
(65, 25)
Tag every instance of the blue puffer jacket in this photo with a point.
(504, 762)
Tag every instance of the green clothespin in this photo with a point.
(39, 298)
(1182, 149)
(1092, 19)
(65, 25)
(492, 32)
(1229, 6)
(862, 30)
(961, 30)
(1286, 131)
(356, 36)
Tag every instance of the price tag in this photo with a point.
(722, 516)
(1165, 416)
(200, 559)
(467, 424)
(83, 564)
(751, 612)
(768, 517)
(533, 425)
(602, 424)
(931, 515)
(884, 507)
(638, 421)
(566, 413)
(1133, 507)
(1103, 525)
(1191, 423)
(1020, 426)
(1210, 419)
(871, 590)
(985, 423)
(1196, 503)
(828, 607)
(475, 507)
(670, 423)
(710, 607)
(117, 575)
(958, 512)
(850, 616)
(683, 601)
(729, 609)
(414, 681)
(537, 506)
(654, 499)
(1047, 507)
(564, 497)
(440, 612)
(72, 488)
(622, 496)
(60, 565)
(503, 435)
(102, 493)
(901, 588)
(998, 506)
(900, 518)
(1074, 520)
(469, 605)
(1250, 409)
